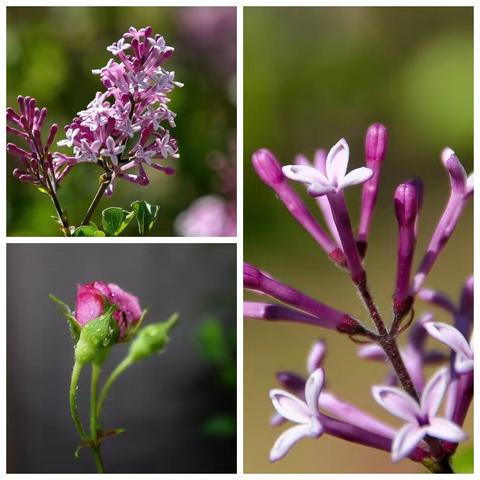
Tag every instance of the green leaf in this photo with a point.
(220, 426)
(88, 231)
(152, 339)
(115, 220)
(146, 215)
(72, 322)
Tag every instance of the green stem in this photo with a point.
(96, 370)
(96, 199)
(77, 368)
(98, 459)
(121, 367)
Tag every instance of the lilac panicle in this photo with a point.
(327, 317)
(134, 104)
(270, 172)
(37, 160)
(461, 190)
(407, 203)
(376, 143)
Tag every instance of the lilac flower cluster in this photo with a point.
(428, 435)
(134, 104)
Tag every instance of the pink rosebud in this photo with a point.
(93, 297)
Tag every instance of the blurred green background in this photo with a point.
(50, 54)
(312, 76)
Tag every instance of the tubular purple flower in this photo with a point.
(407, 203)
(464, 317)
(376, 143)
(274, 312)
(345, 232)
(327, 317)
(322, 202)
(461, 190)
(270, 172)
(438, 299)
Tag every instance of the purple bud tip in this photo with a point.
(458, 176)
(407, 202)
(376, 142)
(291, 381)
(267, 167)
(350, 326)
(252, 276)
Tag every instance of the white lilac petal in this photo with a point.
(316, 356)
(355, 177)
(317, 189)
(433, 392)
(290, 406)
(337, 162)
(469, 185)
(397, 403)
(289, 438)
(450, 336)
(406, 440)
(463, 364)
(313, 387)
(305, 174)
(446, 430)
(372, 352)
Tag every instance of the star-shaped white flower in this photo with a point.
(421, 419)
(112, 150)
(120, 46)
(305, 413)
(453, 338)
(335, 177)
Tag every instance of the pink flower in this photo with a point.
(91, 302)
(421, 418)
(305, 413)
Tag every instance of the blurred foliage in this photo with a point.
(218, 347)
(312, 76)
(50, 54)
(462, 461)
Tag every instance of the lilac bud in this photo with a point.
(376, 142)
(291, 381)
(270, 172)
(316, 356)
(458, 175)
(407, 202)
(268, 168)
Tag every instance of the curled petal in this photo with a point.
(359, 175)
(446, 430)
(406, 440)
(289, 406)
(372, 352)
(434, 391)
(463, 364)
(337, 162)
(316, 356)
(313, 387)
(304, 174)
(290, 437)
(449, 336)
(397, 402)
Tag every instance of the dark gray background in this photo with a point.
(162, 401)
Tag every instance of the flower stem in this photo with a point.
(96, 370)
(121, 367)
(107, 178)
(77, 368)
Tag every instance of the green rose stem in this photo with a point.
(77, 368)
(96, 370)
(121, 367)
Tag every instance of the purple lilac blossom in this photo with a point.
(133, 108)
(421, 418)
(39, 167)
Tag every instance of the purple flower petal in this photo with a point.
(446, 430)
(372, 352)
(397, 402)
(316, 356)
(450, 336)
(337, 162)
(406, 440)
(433, 392)
(289, 406)
(354, 177)
(289, 438)
(304, 174)
(313, 387)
